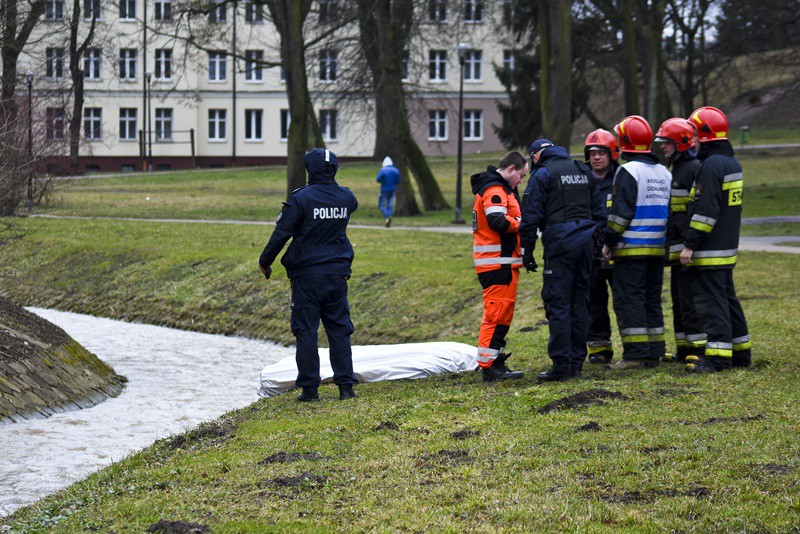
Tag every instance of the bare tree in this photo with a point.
(76, 55)
(555, 51)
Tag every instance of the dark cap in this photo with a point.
(539, 144)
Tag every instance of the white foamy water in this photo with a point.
(176, 380)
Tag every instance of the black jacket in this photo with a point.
(315, 218)
(685, 170)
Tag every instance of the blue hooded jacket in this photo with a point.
(315, 217)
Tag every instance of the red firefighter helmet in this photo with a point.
(679, 131)
(711, 124)
(602, 139)
(635, 135)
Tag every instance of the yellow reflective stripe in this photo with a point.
(677, 207)
(700, 262)
(595, 350)
(682, 343)
(641, 251)
(742, 346)
(616, 227)
(636, 339)
(679, 200)
(675, 255)
(722, 353)
(652, 338)
(733, 185)
(703, 227)
(608, 203)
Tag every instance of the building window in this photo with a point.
(509, 12)
(55, 63)
(437, 10)
(253, 119)
(509, 61)
(92, 61)
(327, 65)
(163, 124)
(127, 9)
(216, 124)
(472, 65)
(127, 124)
(473, 10)
(54, 9)
(327, 123)
(437, 65)
(253, 68)
(218, 13)
(91, 9)
(437, 125)
(127, 64)
(253, 12)
(283, 73)
(473, 125)
(164, 64)
(404, 60)
(163, 10)
(286, 120)
(327, 11)
(93, 123)
(55, 123)
(217, 65)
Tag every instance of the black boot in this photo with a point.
(552, 376)
(346, 392)
(707, 364)
(499, 370)
(309, 394)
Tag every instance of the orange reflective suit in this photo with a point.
(497, 257)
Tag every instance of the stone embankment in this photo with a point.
(44, 371)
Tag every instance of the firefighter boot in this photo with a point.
(600, 351)
(346, 392)
(632, 364)
(309, 394)
(552, 376)
(499, 371)
(707, 364)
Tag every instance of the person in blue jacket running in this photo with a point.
(388, 177)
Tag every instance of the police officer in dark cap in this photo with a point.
(318, 264)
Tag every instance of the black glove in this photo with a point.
(266, 270)
(529, 263)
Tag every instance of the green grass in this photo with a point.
(772, 188)
(678, 452)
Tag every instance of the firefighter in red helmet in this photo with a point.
(711, 246)
(601, 151)
(677, 137)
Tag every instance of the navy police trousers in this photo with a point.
(316, 297)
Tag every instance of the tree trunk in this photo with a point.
(650, 29)
(630, 58)
(555, 30)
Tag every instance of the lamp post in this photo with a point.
(149, 78)
(461, 49)
(29, 79)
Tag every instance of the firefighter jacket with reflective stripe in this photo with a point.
(637, 221)
(495, 223)
(606, 185)
(715, 213)
(563, 200)
(685, 169)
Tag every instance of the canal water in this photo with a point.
(176, 380)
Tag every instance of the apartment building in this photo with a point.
(172, 93)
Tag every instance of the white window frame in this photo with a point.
(217, 125)
(218, 13)
(56, 122)
(254, 12)
(437, 11)
(163, 130)
(163, 10)
(254, 122)
(473, 125)
(55, 63)
(509, 60)
(93, 124)
(325, 14)
(328, 117)
(128, 118)
(328, 65)
(54, 10)
(438, 119)
(253, 69)
(163, 64)
(473, 65)
(437, 66)
(93, 64)
(127, 64)
(90, 7)
(285, 123)
(218, 66)
(405, 66)
(127, 10)
(473, 11)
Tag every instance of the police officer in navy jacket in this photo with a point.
(318, 264)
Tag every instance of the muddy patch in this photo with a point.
(282, 457)
(718, 420)
(465, 433)
(303, 479)
(776, 469)
(212, 433)
(650, 496)
(658, 448)
(178, 527)
(445, 457)
(591, 426)
(580, 400)
(386, 425)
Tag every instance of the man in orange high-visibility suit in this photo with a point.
(495, 226)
